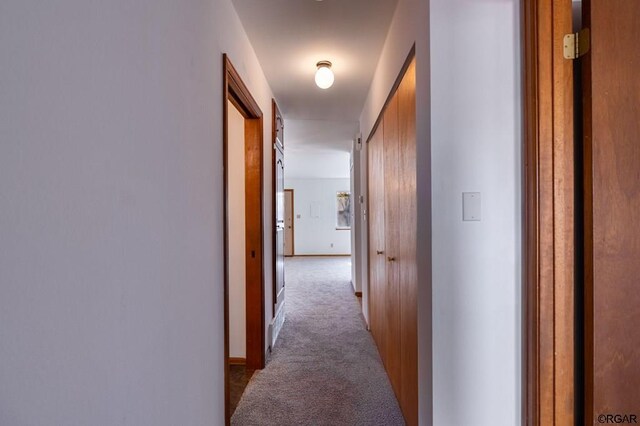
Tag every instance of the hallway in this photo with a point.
(325, 368)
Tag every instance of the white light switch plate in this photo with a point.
(471, 206)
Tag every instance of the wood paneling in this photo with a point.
(392, 242)
(612, 202)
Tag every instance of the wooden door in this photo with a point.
(279, 239)
(406, 257)
(392, 208)
(377, 260)
(392, 242)
(289, 232)
(612, 209)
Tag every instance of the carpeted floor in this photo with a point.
(325, 368)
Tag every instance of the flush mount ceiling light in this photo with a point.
(324, 75)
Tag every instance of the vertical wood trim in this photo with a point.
(564, 217)
(548, 354)
(254, 173)
(236, 91)
(293, 222)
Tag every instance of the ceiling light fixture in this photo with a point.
(324, 75)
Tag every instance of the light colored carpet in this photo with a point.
(325, 368)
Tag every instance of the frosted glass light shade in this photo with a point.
(324, 75)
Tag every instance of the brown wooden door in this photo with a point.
(278, 148)
(611, 88)
(392, 243)
(392, 208)
(406, 257)
(377, 260)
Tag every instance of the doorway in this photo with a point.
(243, 229)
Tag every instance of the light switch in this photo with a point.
(471, 206)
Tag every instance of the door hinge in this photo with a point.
(576, 44)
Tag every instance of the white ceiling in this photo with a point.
(291, 36)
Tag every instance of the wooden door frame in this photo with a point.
(236, 92)
(548, 326)
(293, 227)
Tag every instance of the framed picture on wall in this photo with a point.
(343, 210)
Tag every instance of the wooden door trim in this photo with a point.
(293, 227)
(548, 372)
(235, 91)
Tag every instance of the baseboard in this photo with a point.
(237, 361)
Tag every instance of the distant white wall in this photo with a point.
(111, 226)
(237, 235)
(315, 164)
(471, 142)
(315, 229)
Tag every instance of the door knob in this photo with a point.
(379, 252)
(391, 259)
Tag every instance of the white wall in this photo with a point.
(316, 164)
(111, 277)
(237, 234)
(314, 235)
(476, 140)
(473, 145)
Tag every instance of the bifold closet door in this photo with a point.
(391, 356)
(406, 261)
(392, 244)
(377, 270)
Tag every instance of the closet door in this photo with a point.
(377, 270)
(406, 259)
(392, 209)
(392, 244)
